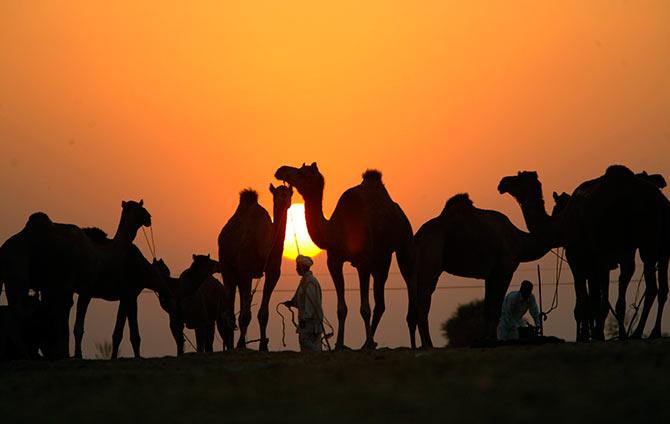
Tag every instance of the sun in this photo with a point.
(297, 235)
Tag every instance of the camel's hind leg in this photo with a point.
(662, 296)
(380, 276)
(245, 310)
(209, 337)
(427, 283)
(625, 274)
(650, 293)
(228, 313)
(271, 279)
(335, 269)
(366, 312)
(177, 330)
(82, 307)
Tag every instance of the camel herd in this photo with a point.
(601, 225)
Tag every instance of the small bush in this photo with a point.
(466, 325)
(103, 350)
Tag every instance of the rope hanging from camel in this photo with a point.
(560, 259)
(636, 305)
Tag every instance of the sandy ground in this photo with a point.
(614, 381)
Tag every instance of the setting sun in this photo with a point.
(297, 238)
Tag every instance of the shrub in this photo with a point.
(466, 325)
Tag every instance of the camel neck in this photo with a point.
(126, 231)
(538, 222)
(533, 247)
(317, 224)
(279, 217)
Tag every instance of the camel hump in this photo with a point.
(248, 196)
(38, 221)
(460, 201)
(97, 235)
(372, 176)
(618, 171)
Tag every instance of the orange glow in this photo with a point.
(297, 236)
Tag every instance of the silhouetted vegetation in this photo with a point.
(466, 325)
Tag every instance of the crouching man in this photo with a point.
(514, 307)
(307, 299)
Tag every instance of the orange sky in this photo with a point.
(185, 104)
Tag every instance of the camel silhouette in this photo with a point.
(57, 259)
(127, 277)
(601, 226)
(474, 243)
(250, 245)
(196, 300)
(365, 229)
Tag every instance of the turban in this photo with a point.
(305, 261)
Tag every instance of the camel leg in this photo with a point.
(177, 330)
(650, 293)
(228, 313)
(495, 290)
(245, 310)
(117, 335)
(209, 341)
(335, 269)
(406, 257)
(199, 339)
(427, 282)
(133, 327)
(366, 313)
(380, 277)
(662, 296)
(625, 274)
(82, 306)
(581, 311)
(602, 303)
(271, 279)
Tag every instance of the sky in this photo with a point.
(186, 104)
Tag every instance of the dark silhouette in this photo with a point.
(196, 301)
(21, 331)
(127, 275)
(251, 245)
(601, 226)
(474, 243)
(466, 325)
(56, 260)
(366, 228)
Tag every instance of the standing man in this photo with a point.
(307, 299)
(514, 307)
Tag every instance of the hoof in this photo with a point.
(369, 345)
(341, 347)
(655, 334)
(263, 346)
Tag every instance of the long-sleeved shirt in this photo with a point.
(307, 298)
(514, 307)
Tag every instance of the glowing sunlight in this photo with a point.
(297, 238)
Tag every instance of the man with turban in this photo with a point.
(307, 299)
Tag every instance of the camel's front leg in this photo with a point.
(366, 312)
(662, 296)
(133, 327)
(245, 310)
(495, 289)
(177, 330)
(335, 269)
(627, 269)
(271, 279)
(117, 335)
(82, 307)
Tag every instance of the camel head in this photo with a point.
(281, 196)
(135, 213)
(561, 202)
(523, 186)
(655, 179)
(307, 179)
(204, 265)
(161, 267)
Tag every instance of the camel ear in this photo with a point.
(272, 188)
(123, 203)
(555, 196)
(208, 256)
(303, 164)
(141, 202)
(313, 165)
(534, 174)
(194, 256)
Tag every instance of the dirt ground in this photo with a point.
(597, 382)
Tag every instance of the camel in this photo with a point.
(365, 229)
(250, 245)
(652, 290)
(137, 275)
(196, 301)
(58, 260)
(601, 226)
(474, 243)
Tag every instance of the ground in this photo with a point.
(614, 381)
